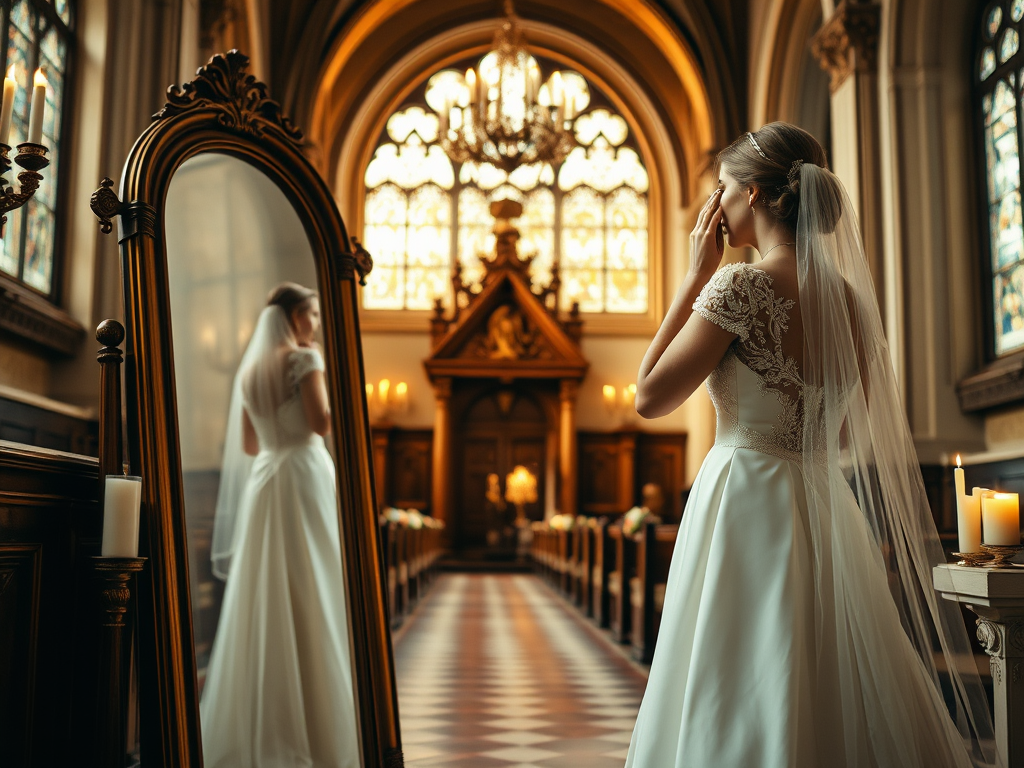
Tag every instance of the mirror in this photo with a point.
(217, 205)
(270, 632)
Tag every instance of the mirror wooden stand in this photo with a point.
(224, 110)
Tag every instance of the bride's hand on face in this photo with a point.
(706, 240)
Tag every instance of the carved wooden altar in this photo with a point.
(506, 333)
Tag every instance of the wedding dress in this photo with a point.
(799, 620)
(278, 691)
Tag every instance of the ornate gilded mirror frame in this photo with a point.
(227, 111)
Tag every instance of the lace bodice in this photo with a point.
(288, 426)
(757, 389)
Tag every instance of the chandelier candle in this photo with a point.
(121, 498)
(7, 110)
(35, 120)
(968, 513)
(1000, 513)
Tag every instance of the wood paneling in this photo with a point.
(660, 459)
(31, 425)
(50, 524)
(614, 466)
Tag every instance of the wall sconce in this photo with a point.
(616, 401)
(385, 401)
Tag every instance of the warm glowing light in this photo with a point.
(38, 80)
(208, 337)
(11, 73)
(609, 392)
(401, 389)
(383, 388)
(958, 459)
(369, 391)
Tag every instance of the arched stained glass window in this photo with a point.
(39, 36)
(422, 211)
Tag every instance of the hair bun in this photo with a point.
(794, 172)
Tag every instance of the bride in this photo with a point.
(278, 691)
(800, 628)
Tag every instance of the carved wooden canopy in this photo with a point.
(506, 329)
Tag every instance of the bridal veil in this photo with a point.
(857, 443)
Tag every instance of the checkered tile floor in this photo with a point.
(496, 670)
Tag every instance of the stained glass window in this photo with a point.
(423, 211)
(1000, 119)
(39, 36)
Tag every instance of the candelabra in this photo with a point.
(31, 157)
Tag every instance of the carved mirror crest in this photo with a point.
(217, 205)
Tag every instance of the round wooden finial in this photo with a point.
(110, 333)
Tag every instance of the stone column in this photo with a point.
(996, 595)
(847, 48)
(442, 450)
(567, 445)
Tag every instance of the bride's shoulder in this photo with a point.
(304, 360)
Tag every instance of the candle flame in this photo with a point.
(998, 495)
(11, 74)
(402, 389)
(40, 79)
(958, 459)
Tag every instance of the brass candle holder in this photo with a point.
(1001, 555)
(31, 157)
(973, 559)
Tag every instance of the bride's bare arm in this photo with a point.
(314, 402)
(250, 442)
(686, 347)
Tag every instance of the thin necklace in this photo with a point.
(777, 245)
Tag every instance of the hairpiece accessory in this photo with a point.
(753, 142)
(794, 171)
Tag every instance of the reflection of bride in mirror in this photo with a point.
(278, 690)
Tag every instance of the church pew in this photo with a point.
(389, 535)
(414, 551)
(603, 562)
(402, 564)
(574, 564)
(562, 561)
(654, 545)
(585, 568)
(619, 607)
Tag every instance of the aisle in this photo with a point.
(495, 670)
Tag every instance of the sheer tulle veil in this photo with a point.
(858, 448)
(259, 385)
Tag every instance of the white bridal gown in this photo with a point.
(278, 691)
(737, 679)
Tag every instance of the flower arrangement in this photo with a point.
(561, 522)
(637, 517)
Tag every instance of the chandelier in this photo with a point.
(500, 112)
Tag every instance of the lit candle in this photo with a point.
(401, 394)
(629, 395)
(382, 390)
(121, 498)
(609, 395)
(1000, 513)
(7, 107)
(968, 520)
(35, 120)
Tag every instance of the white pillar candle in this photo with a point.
(7, 108)
(968, 520)
(35, 120)
(121, 498)
(1000, 513)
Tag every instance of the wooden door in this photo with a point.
(493, 438)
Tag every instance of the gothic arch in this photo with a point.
(791, 86)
